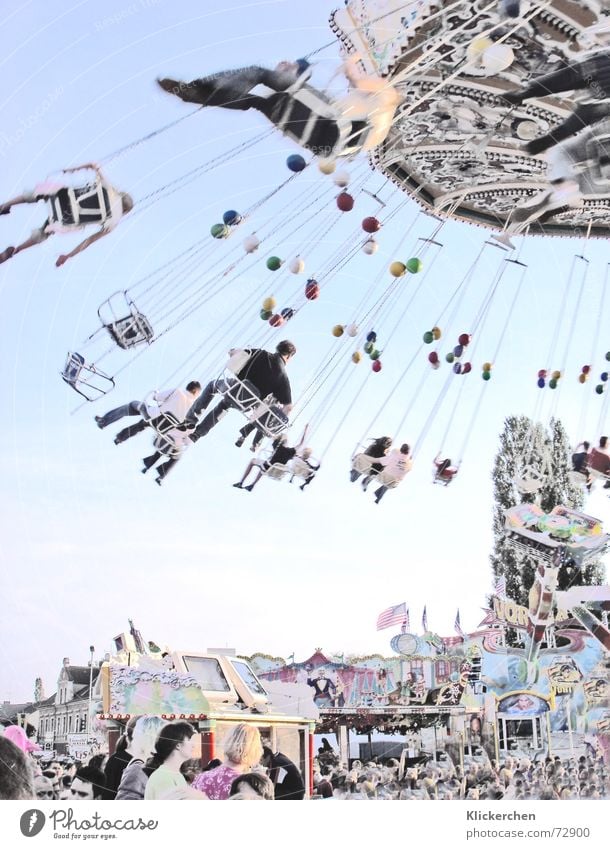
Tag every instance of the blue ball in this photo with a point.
(541, 383)
(371, 337)
(231, 217)
(604, 376)
(295, 162)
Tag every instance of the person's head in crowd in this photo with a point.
(144, 735)
(16, 774)
(64, 787)
(87, 784)
(243, 747)
(252, 785)
(173, 741)
(53, 778)
(98, 761)
(212, 764)
(43, 788)
(190, 769)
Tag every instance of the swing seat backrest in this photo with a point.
(277, 471)
(164, 423)
(300, 469)
(362, 463)
(386, 478)
(131, 330)
(269, 418)
(242, 394)
(171, 443)
(73, 367)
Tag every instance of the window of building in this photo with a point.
(441, 671)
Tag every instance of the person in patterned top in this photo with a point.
(243, 750)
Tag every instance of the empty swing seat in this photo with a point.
(85, 379)
(131, 330)
(73, 367)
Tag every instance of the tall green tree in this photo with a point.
(528, 448)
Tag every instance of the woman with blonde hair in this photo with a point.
(243, 750)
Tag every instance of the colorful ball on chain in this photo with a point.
(341, 179)
(486, 375)
(276, 320)
(604, 376)
(345, 202)
(352, 330)
(219, 231)
(327, 166)
(487, 366)
(266, 314)
(556, 375)
(370, 247)
(231, 218)
(582, 378)
(553, 383)
(356, 357)
(457, 368)
(375, 354)
(398, 269)
(608, 356)
(436, 333)
(371, 224)
(295, 162)
(464, 339)
(586, 369)
(377, 365)
(371, 336)
(312, 290)
(541, 382)
(414, 265)
(428, 337)
(251, 243)
(449, 357)
(338, 330)
(269, 303)
(458, 350)
(542, 373)
(599, 388)
(287, 313)
(433, 357)
(273, 263)
(368, 347)
(467, 368)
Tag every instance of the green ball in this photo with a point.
(599, 389)
(266, 314)
(374, 355)
(368, 347)
(552, 383)
(219, 231)
(414, 265)
(608, 356)
(273, 263)
(449, 357)
(428, 337)
(486, 375)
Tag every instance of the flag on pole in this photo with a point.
(500, 587)
(398, 615)
(457, 625)
(424, 620)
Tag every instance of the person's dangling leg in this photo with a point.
(26, 197)
(582, 117)
(568, 78)
(164, 469)
(130, 431)
(354, 475)
(131, 409)
(379, 493)
(211, 420)
(150, 461)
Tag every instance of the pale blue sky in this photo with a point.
(87, 540)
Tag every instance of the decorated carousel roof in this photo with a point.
(456, 146)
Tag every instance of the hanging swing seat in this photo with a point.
(277, 471)
(529, 480)
(362, 462)
(245, 397)
(85, 378)
(126, 330)
(385, 478)
(171, 442)
(300, 468)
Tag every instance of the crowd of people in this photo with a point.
(154, 759)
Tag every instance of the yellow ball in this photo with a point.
(582, 378)
(356, 357)
(556, 375)
(327, 166)
(436, 333)
(487, 366)
(398, 269)
(269, 304)
(338, 330)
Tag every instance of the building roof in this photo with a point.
(80, 674)
(9, 710)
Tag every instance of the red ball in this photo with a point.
(377, 365)
(433, 357)
(276, 320)
(345, 202)
(542, 373)
(312, 290)
(466, 368)
(586, 369)
(464, 339)
(370, 225)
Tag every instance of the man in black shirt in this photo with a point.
(285, 775)
(266, 375)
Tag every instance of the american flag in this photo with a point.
(500, 587)
(424, 620)
(398, 615)
(457, 625)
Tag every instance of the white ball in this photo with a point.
(341, 179)
(251, 243)
(370, 246)
(352, 329)
(297, 265)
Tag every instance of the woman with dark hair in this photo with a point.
(378, 448)
(116, 763)
(173, 747)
